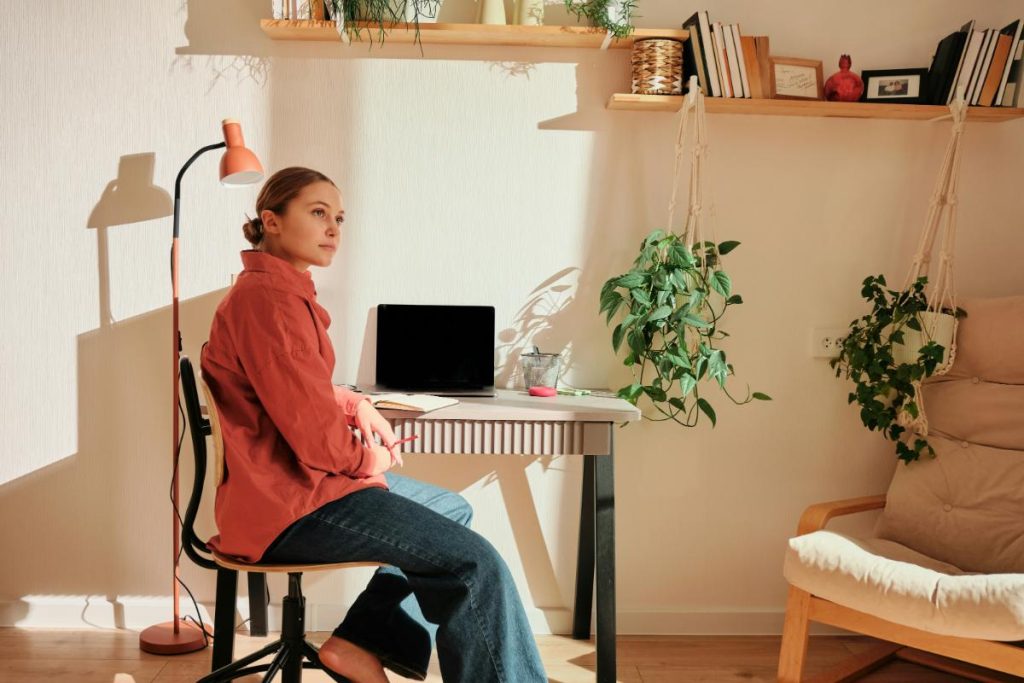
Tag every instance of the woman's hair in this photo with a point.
(280, 188)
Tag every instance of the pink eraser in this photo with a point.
(543, 391)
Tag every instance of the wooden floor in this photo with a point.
(56, 656)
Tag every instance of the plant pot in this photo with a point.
(428, 11)
(937, 327)
(491, 12)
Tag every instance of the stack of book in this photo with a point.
(726, 63)
(986, 63)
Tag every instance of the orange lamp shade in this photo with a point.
(238, 166)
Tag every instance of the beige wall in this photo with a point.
(491, 176)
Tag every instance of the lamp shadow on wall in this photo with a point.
(93, 526)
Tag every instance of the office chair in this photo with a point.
(292, 652)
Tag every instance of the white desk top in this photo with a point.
(515, 404)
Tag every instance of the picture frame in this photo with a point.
(899, 86)
(796, 79)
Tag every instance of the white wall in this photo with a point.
(474, 175)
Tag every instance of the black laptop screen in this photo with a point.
(439, 347)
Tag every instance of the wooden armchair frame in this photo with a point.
(960, 656)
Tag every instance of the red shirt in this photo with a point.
(288, 443)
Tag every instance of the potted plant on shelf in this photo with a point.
(385, 14)
(614, 16)
(888, 353)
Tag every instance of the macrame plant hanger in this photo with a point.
(940, 290)
(693, 230)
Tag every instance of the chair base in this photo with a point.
(292, 653)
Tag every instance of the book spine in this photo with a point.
(970, 58)
(995, 71)
(764, 64)
(1013, 30)
(980, 68)
(734, 62)
(749, 46)
(278, 9)
(717, 34)
(741, 59)
(710, 54)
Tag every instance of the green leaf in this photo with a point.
(725, 247)
(660, 313)
(617, 337)
(640, 296)
(761, 397)
(686, 384)
(721, 283)
(707, 410)
(630, 280)
(734, 299)
(693, 321)
(654, 237)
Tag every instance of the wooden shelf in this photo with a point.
(855, 110)
(467, 34)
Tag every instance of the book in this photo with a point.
(694, 63)
(974, 40)
(733, 57)
(718, 37)
(420, 403)
(749, 46)
(1011, 93)
(1000, 57)
(699, 26)
(764, 63)
(941, 74)
(978, 73)
(1013, 30)
(740, 59)
(965, 33)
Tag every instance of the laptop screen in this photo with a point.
(435, 347)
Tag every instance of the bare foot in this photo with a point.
(351, 661)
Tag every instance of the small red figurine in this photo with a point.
(844, 85)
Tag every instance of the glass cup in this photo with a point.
(540, 369)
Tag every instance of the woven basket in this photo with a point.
(657, 67)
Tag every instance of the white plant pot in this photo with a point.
(937, 327)
(530, 12)
(491, 12)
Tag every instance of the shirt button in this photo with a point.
(964, 444)
(947, 507)
(975, 380)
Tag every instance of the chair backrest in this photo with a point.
(216, 435)
(200, 428)
(966, 505)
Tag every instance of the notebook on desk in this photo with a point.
(434, 349)
(419, 403)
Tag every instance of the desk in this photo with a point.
(515, 423)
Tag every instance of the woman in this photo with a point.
(301, 487)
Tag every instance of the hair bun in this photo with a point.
(253, 230)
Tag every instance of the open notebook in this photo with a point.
(422, 403)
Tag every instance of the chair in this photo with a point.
(943, 577)
(292, 648)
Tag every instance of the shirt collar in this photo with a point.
(259, 261)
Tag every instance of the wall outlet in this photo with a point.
(826, 342)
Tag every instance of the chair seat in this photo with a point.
(895, 583)
(231, 563)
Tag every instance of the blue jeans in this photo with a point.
(439, 572)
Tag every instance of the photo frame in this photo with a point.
(900, 86)
(796, 79)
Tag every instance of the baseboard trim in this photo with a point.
(138, 612)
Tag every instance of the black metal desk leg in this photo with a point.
(604, 491)
(585, 556)
(258, 600)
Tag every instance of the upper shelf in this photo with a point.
(468, 34)
(856, 110)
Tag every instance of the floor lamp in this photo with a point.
(239, 166)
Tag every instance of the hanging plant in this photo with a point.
(673, 300)
(910, 334)
(384, 13)
(614, 16)
(887, 354)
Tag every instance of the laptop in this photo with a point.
(435, 349)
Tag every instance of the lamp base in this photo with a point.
(162, 640)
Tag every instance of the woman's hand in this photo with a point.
(371, 423)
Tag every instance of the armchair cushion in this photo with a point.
(891, 581)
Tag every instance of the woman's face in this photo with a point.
(309, 231)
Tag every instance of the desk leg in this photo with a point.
(604, 504)
(258, 599)
(585, 556)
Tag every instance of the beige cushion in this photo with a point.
(966, 505)
(893, 582)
